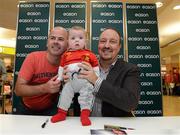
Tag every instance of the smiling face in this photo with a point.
(77, 39)
(109, 45)
(57, 41)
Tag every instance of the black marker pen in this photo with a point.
(44, 124)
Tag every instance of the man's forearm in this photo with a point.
(30, 90)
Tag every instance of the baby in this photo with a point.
(75, 54)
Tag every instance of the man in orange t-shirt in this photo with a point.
(37, 81)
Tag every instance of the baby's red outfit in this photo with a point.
(70, 57)
(77, 56)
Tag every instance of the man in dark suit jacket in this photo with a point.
(117, 89)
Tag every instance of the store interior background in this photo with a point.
(169, 37)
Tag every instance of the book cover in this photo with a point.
(107, 132)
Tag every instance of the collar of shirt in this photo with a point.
(103, 72)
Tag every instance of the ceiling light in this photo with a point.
(159, 4)
(172, 29)
(176, 7)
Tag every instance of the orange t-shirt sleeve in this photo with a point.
(27, 68)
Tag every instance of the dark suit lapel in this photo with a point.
(113, 72)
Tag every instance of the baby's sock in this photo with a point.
(60, 116)
(85, 117)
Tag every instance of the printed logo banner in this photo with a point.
(70, 14)
(106, 15)
(143, 50)
(32, 33)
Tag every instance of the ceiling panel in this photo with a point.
(168, 19)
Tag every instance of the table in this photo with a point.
(31, 125)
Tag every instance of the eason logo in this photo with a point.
(78, 6)
(141, 15)
(139, 112)
(115, 21)
(133, 7)
(31, 46)
(149, 22)
(107, 14)
(41, 5)
(154, 112)
(134, 22)
(33, 13)
(24, 37)
(143, 30)
(99, 21)
(148, 7)
(78, 21)
(41, 20)
(26, 5)
(70, 14)
(150, 74)
(145, 65)
(135, 39)
(99, 5)
(114, 6)
(62, 21)
(40, 37)
(153, 93)
(153, 75)
(146, 102)
(151, 56)
(136, 56)
(21, 55)
(25, 20)
(33, 29)
(146, 83)
(143, 47)
(150, 39)
(62, 6)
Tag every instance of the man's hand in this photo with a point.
(87, 72)
(52, 86)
